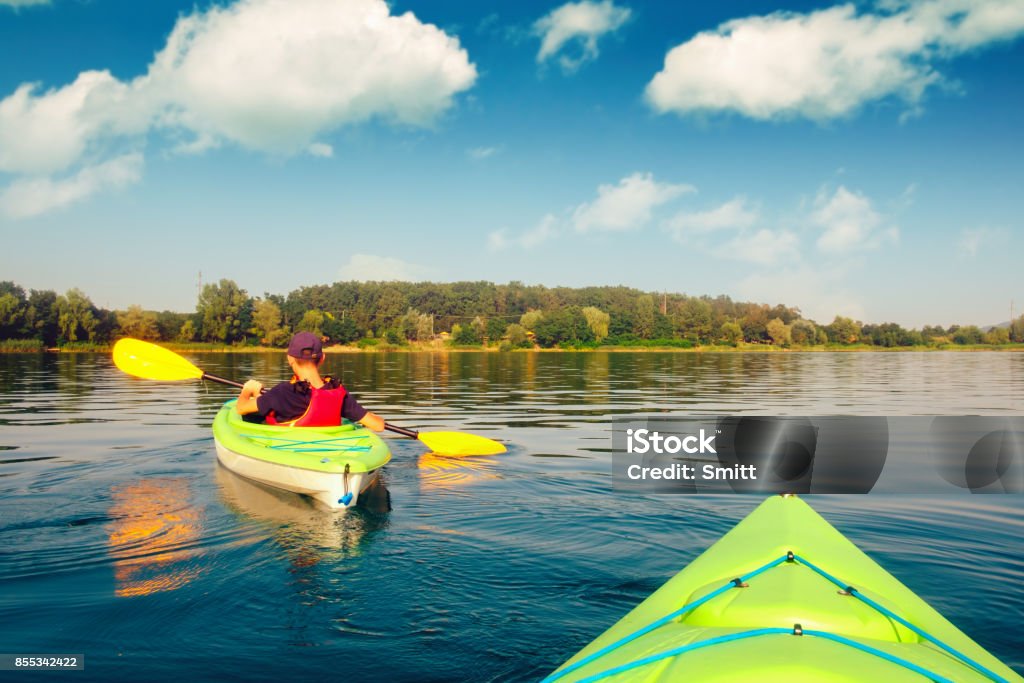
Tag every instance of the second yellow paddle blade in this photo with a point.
(458, 443)
(150, 361)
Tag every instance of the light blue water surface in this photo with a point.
(122, 539)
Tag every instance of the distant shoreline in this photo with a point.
(444, 348)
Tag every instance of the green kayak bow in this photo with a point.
(783, 598)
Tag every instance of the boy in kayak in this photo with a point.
(308, 400)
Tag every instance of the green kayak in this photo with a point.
(783, 597)
(333, 465)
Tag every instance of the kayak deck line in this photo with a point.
(850, 590)
(796, 630)
(295, 445)
(689, 607)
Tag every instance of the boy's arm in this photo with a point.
(247, 397)
(373, 421)
(351, 410)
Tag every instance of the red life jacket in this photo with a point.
(324, 409)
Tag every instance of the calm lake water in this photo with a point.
(124, 540)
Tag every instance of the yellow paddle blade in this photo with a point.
(150, 361)
(458, 444)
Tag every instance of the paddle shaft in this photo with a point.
(221, 380)
(232, 383)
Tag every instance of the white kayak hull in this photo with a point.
(335, 490)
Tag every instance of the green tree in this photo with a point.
(517, 336)
(755, 324)
(187, 332)
(343, 331)
(106, 326)
(779, 331)
(390, 305)
(312, 321)
(138, 323)
(643, 321)
(408, 322)
(41, 316)
(222, 312)
(168, 324)
(803, 332)
(622, 324)
(12, 314)
(732, 333)
(697, 320)
(496, 328)
(76, 317)
(998, 335)
(564, 327)
(530, 319)
(466, 335)
(663, 327)
(598, 322)
(416, 326)
(889, 335)
(266, 321)
(479, 327)
(969, 334)
(932, 332)
(425, 327)
(1017, 330)
(844, 330)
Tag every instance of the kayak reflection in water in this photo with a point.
(307, 400)
(308, 533)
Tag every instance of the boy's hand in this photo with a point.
(246, 402)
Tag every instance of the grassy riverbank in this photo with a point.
(438, 346)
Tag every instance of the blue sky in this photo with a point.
(856, 159)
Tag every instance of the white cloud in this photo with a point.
(321, 149)
(819, 293)
(733, 215)
(33, 196)
(499, 239)
(577, 22)
(827, 63)
(763, 247)
(542, 232)
(267, 75)
(972, 239)
(364, 267)
(480, 153)
(849, 222)
(626, 206)
(270, 75)
(23, 3)
(969, 242)
(733, 221)
(48, 132)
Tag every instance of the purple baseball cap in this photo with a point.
(306, 346)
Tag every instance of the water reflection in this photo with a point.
(308, 533)
(440, 472)
(153, 536)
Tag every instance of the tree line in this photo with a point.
(513, 315)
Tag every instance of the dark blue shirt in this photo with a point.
(289, 400)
